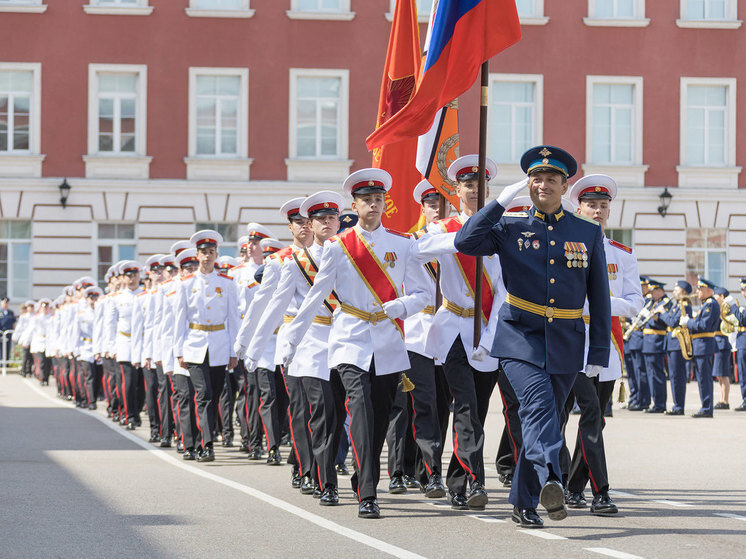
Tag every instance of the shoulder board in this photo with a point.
(171, 293)
(398, 233)
(252, 285)
(625, 248)
(168, 281)
(448, 219)
(225, 276)
(241, 265)
(141, 294)
(515, 214)
(589, 220)
(187, 277)
(81, 312)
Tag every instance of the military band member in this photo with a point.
(740, 314)
(639, 388)
(551, 262)
(703, 327)
(594, 194)
(677, 372)
(206, 310)
(654, 346)
(722, 358)
(369, 269)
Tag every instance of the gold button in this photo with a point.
(550, 319)
(551, 261)
(208, 308)
(551, 301)
(550, 228)
(551, 280)
(208, 321)
(551, 243)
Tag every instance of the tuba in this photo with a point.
(728, 322)
(682, 334)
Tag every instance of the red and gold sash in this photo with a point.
(617, 337)
(468, 267)
(370, 270)
(283, 253)
(308, 267)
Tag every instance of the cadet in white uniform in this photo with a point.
(83, 333)
(206, 324)
(369, 268)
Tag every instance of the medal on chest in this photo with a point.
(576, 255)
(524, 241)
(613, 269)
(390, 259)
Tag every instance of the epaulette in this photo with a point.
(225, 276)
(515, 214)
(625, 248)
(241, 265)
(141, 294)
(167, 281)
(172, 293)
(588, 219)
(399, 233)
(252, 285)
(187, 277)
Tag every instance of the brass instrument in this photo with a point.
(682, 334)
(642, 316)
(728, 322)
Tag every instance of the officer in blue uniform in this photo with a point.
(740, 313)
(551, 261)
(703, 327)
(721, 362)
(639, 389)
(654, 346)
(676, 361)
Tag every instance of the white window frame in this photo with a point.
(319, 168)
(707, 251)
(538, 18)
(730, 22)
(10, 242)
(421, 17)
(116, 242)
(244, 12)
(117, 8)
(219, 167)
(24, 6)
(721, 176)
(343, 14)
(26, 163)
(510, 171)
(638, 21)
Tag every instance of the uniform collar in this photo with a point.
(547, 218)
(370, 235)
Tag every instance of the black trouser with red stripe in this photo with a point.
(471, 390)
(589, 457)
(512, 438)
(184, 391)
(268, 406)
(165, 412)
(399, 436)
(227, 402)
(27, 361)
(110, 380)
(369, 399)
(86, 371)
(128, 386)
(45, 366)
(81, 378)
(326, 402)
(208, 385)
(151, 400)
(298, 417)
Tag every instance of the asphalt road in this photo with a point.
(73, 484)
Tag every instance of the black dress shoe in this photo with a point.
(341, 470)
(575, 500)
(295, 478)
(742, 407)
(721, 406)
(675, 412)
(477, 498)
(369, 508)
(207, 454)
(255, 454)
(154, 438)
(130, 425)
(166, 443)
(434, 488)
(655, 410)
(508, 480)
(397, 485)
(552, 498)
(458, 501)
(189, 454)
(92, 406)
(316, 491)
(411, 482)
(702, 414)
(306, 485)
(274, 458)
(138, 421)
(329, 497)
(244, 446)
(228, 441)
(179, 446)
(634, 407)
(603, 505)
(527, 518)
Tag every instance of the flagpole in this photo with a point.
(481, 195)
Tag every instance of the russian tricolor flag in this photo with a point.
(462, 35)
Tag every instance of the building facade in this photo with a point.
(169, 116)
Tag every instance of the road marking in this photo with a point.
(542, 534)
(672, 503)
(488, 519)
(621, 493)
(320, 521)
(437, 504)
(612, 553)
(731, 515)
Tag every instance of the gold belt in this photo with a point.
(430, 309)
(541, 310)
(719, 333)
(703, 335)
(458, 311)
(206, 327)
(654, 332)
(742, 328)
(288, 318)
(372, 317)
(325, 320)
(125, 334)
(87, 340)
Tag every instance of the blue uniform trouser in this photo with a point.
(643, 389)
(656, 379)
(677, 374)
(542, 397)
(741, 364)
(703, 366)
(629, 365)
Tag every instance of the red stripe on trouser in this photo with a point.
(354, 449)
(196, 416)
(507, 425)
(455, 453)
(414, 431)
(85, 383)
(264, 425)
(290, 424)
(318, 466)
(124, 391)
(585, 458)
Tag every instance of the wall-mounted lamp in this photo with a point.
(64, 193)
(665, 197)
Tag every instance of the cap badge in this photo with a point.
(545, 152)
(545, 161)
(598, 189)
(326, 204)
(371, 183)
(475, 169)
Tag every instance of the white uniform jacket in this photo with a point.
(168, 327)
(417, 326)
(40, 324)
(447, 326)
(83, 334)
(19, 328)
(98, 327)
(140, 309)
(206, 310)
(353, 340)
(119, 323)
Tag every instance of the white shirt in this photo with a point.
(83, 334)
(119, 323)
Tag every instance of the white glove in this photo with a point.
(683, 321)
(731, 301)
(288, 354)
(592, 371)
(394, 309)
(250, 365)
(480, 353)
(510, 191)
(240, 350)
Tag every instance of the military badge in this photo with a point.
(536, 244)
(219, 291)
(613, 269)
(390, 259)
